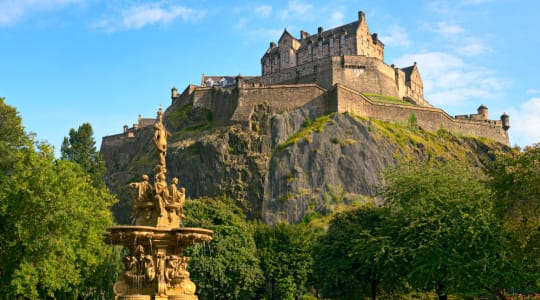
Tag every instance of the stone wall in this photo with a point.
(281, 98)
(236, 104)
(431, 119)
(365, 74)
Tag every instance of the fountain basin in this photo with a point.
(131, 236)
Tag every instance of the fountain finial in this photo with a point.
(160, 138)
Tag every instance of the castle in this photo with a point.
(336, 70)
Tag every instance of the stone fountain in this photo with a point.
(156, 267)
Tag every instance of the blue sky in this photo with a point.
(66, 62)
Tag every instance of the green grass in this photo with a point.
(189, 119)
(386, 99)
(309, 127)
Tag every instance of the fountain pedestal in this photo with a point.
(156, 267)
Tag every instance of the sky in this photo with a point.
(67, 62)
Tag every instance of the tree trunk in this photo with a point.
(443, 295)
(374, 287)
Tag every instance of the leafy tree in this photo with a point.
(515, 179)
(227, 268)
(51, 221)
(285, 253)
(80, 147)
(444, 228)
(352, 260)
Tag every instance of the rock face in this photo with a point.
(284, 167)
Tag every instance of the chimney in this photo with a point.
(319, 30)
(361, 16)
(303, 35)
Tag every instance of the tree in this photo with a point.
(285, 251)
(227, 268)
(515, 180)
(51, 221)
(80, 147)
(444, 228)
(352, 259)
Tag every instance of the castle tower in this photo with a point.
(505, 119)
(174, 92)
(483, 111)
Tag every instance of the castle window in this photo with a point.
(343, 39)
(331, 42)
(286, 56)
(309, 49)
(320, 46)
(276, 60)
(349, 51)
(367, 43)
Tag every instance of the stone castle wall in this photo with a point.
(429, 118)
(280, 97)
(366, 74)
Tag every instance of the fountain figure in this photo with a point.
(156, 267)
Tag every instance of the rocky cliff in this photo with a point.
(286, 166)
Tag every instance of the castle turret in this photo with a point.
(505, 119)
(483, 111)
(174, 92)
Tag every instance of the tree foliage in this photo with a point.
(51, 221)
(352, 261)
(445, 229)
(285, 251)
(80, 147)
(227, 268)
(515, 180)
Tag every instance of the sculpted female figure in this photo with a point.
(160, 138)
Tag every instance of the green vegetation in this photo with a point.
(227, 268)
(285, 254)
(386, 99)
(52, 216)
(188, 119)
(410, 140)
(80, 148)
(308, 127)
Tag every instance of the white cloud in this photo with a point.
(336, 19)
(264, 10)
(11, 11)
(473, 49)
(241, 24)
(297, 9)
(525, 121)
(450, 82)
(395, 35)
(448, 29)
(533, 91)
(136, 17)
